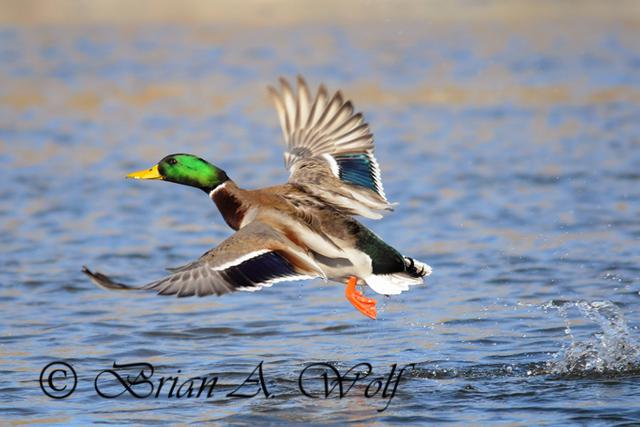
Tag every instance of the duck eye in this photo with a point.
(172, 161)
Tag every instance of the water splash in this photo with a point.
(610, 351)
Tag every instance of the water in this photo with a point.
(511, 149)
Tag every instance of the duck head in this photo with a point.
(185, 169)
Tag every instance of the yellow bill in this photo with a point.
(152, 173)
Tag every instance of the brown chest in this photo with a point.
(230, 207)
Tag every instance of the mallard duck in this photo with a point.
(303, 229)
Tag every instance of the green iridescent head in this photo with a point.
(185, 169)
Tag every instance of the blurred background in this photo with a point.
(507, 131)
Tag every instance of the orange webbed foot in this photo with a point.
(364, 305)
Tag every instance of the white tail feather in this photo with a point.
(392, 284)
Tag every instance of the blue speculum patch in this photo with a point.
(357, 169)
(259, 269)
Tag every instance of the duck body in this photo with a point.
(338, 246)
(302, 229)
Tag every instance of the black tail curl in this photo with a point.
(415, 268)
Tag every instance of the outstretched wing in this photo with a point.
(254, 257)
(326, 134)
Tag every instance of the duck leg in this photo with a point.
(366, 306)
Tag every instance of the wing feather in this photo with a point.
(254, 257)
(328, 132)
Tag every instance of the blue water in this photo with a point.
(514, 156)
